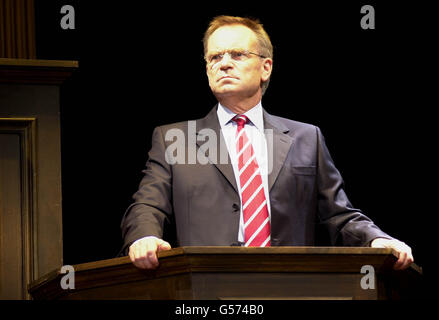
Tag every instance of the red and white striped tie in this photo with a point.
(254, 203)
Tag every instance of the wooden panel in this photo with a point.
(21, 104)
(11, 263)
(18, 221)
(41, 102)
(280, 286)
(234, 286)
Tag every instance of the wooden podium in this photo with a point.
(305, 273)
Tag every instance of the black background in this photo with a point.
(141, 65)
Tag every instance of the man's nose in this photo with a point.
(226, 61)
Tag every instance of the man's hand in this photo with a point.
(143, 252)
(405, 257)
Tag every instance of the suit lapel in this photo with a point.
(222, 159)
(278, 146)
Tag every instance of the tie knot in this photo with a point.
(241, 120)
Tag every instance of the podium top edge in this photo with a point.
(275, 250)
(231, 250)
(218, 250)
(7, 62)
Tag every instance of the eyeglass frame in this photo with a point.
(228, 51)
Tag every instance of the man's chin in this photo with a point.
(226, 91)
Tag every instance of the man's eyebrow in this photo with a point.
(223, 50)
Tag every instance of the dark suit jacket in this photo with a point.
(201, 205)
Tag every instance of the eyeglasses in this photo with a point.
(237, 55)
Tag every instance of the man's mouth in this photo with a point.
(226, 77)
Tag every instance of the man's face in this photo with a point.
(233, 74)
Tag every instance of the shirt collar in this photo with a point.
(255, 116)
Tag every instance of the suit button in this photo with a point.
(235, 207)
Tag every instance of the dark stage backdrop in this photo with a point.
(141, 65)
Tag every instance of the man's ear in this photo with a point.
(267, 67)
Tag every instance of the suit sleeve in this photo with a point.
(152, 206)
(346, 225)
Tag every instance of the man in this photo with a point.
(278, 184)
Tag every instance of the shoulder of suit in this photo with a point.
(181, 125)
(295, 125)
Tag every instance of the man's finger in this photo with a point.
(133, 258)
(143, 252)
(402, 258)
(408, 261)
(399, 264)
(150, 254)
(164, 246)
(139, 257)
(147, 264)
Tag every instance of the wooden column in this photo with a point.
(17, 29)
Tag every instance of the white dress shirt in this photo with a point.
(255, 132)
